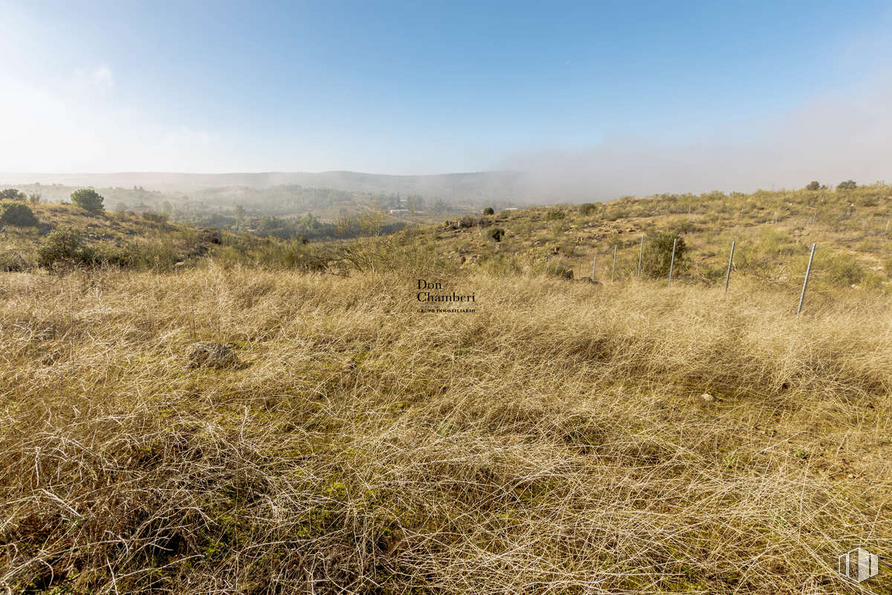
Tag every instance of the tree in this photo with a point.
(813, 185)
(12, 193)
(489, 211)
(88, 199)
(34, 197)
(240, 217)
(847, 185)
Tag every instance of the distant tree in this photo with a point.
(489, 211)
(167, 208)
(12, 193)
(239, 216)
(438, 206)
(88, 199)
(813, 185)
(34, 198)
(122, 207)
(847, 185)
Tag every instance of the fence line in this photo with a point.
(613, 271)
(727, 272)
(805, 283)
(730, 260)
(672, 262)
(640, 254)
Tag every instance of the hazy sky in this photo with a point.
(573, 90)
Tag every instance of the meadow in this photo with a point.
(565, 437)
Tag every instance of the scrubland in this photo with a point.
(564, 438)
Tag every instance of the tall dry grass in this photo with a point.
(554, 441)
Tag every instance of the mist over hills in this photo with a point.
(489, 184)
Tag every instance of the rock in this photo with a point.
(212, 355)
(707, 397)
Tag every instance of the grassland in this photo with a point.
(564, 438)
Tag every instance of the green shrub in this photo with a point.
(813, 185)
(489, 211)
(838, 268)
(495, 233)
(555, 215)
(65, 247)
(88, 199)
(657, 256)
(847, 185)
(588, 208)
(16, 213)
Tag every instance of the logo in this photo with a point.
(859, 565)
(431, 296)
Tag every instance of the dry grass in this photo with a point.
(555, 441)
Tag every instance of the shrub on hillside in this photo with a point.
(495, 233)
(588, 208)
(11, 262)
(88, 199)
(64, 247)
(16, 213)
(847, 185)
(155, 217)
(489, 211)
(555, 215)
(813, 185)
(657, 256)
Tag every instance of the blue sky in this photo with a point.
(410, 87)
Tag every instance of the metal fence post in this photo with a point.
(672, 262)
(594, 262)
(613, 271)
(640, 254)
(805, 284)
(730, 260)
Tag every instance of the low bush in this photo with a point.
(66, 248)
(657, 257)
(16, 213)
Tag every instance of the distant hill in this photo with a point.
(495, 184)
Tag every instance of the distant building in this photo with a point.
(399, 211)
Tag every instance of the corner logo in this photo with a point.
(859, 565)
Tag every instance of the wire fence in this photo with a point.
(727, 273)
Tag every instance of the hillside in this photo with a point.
(248, 423)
